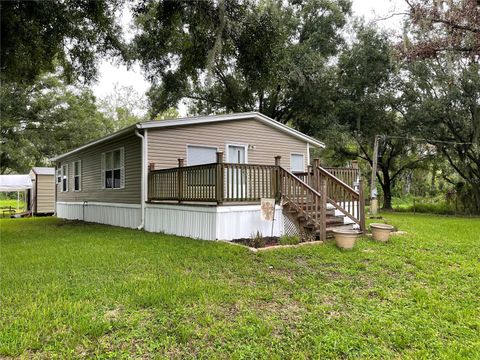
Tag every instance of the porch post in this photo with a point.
(356, 177)
(316, 174)
(219, 178)
(323, 209)
(277, 181)
(180, 180)
(361, 204)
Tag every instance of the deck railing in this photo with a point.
(227, 182)
(216, 182)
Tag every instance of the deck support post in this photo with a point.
(219, 178)
(361, 205)
(323, 209)
(277, 181)
(316, 174)
(180, 180)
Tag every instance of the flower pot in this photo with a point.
(345, 239)
(381, 232)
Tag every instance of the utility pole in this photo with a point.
(373, 184)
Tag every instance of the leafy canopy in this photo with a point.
(39, 36)
(231, 56)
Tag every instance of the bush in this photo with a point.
(256, 240)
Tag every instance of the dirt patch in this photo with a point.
(265, 242)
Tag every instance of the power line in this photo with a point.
(412, 138)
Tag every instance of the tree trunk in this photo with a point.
(476, 195)
(387, 190)
(387, 197)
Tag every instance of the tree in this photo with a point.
(39, 36)
(444, 26)
(45, 119)
(442, 102)
(442, 96)
(367, 105)
(124, 105)
(231, 56)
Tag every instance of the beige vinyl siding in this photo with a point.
(91, 173)
(166, 145)
(45, 193)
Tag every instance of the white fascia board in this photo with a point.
(199, 120)
(95, 142)
(240, 116)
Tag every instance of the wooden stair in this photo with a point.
(332, 220)
(323, 204)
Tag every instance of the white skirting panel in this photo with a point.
(236, 222)
(211, 222)
(125, 215)
(183, 220)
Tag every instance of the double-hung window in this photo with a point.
(59, 175)
(113, 169)
(64, 177)
(77, 175)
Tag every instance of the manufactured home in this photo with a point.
(207, 177)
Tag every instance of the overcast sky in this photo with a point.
(371, 10)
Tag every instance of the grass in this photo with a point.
(432, 205)
(5, 203)
(72, 290)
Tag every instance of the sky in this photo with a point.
(111, 73)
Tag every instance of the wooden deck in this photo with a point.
(304, 194)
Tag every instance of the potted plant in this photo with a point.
(346, 238)
(381, 232)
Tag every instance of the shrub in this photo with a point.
(256, 240)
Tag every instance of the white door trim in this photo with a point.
(245, 146)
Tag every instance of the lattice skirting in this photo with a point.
(290, 224)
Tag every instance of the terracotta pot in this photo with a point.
(345, 239)
(381, 232)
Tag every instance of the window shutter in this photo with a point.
(68, 178)
(102, 170)
(80, 177)
(122, 168)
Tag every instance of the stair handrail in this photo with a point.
(334, 178)
(356, 196)
(317, 215)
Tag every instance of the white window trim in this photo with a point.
(197, 145)
(58, 174)
(79, 175)
(303, 162)
(122, 168)
(239, 145)
(63, 176)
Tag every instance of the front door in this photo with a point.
(236, 154)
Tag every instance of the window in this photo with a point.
(297, 163)
(65, 178)
(113, 169)
(77, 176)
(59, 175)
(197, 155)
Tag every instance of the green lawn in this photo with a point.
(70, 290)
(12, 203)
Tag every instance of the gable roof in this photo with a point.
(231, 117)
(194, 120)
(43, 170)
